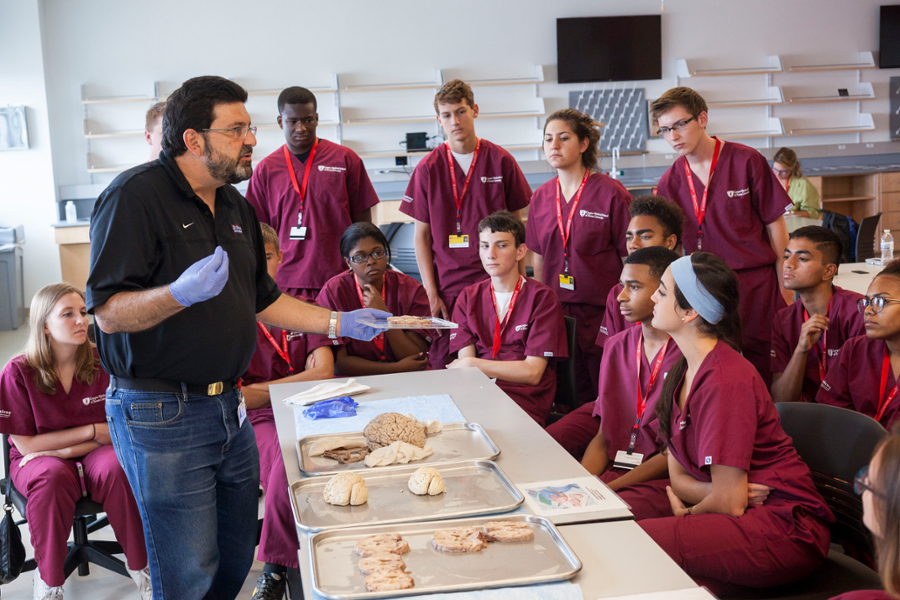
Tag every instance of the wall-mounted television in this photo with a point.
(590, 49)
(889, 39)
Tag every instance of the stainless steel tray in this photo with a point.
(457, 441)
(477, 487)
(335, 566)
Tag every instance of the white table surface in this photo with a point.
(528, 454)
(857, 282)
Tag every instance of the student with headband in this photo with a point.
(741, 508)
(866, 375)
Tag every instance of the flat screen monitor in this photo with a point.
(592, 49)
(889, 46)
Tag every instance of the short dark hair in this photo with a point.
(361, 230)
(504, 221)
(669, 214)
(193, 106)
(658, 258)
(296, 95)
(891, 270)
(827, 242)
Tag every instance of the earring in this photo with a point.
(682, 319)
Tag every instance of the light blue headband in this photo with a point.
(697, 296)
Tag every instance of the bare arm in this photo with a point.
(596, 455)
(346, 364)
(293, 315)
(778, 239)
(425, 261)
(257, 394)
(58, 440)
(405, 343)
(538, 263)
(655, 467)
(528, 371)
(518, 214)
(728, 493)
(130, 312)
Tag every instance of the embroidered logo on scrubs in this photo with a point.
(5, 414)
(294, 335)
(237, 228)
(332, 169)
(772, 353)
(548, 354)
(407, 199)
(738, 193)
(825, 386)
(495, 179)
(603, 330)
(452, 336)
(708, 460)
(682, 425)
(834, 351)
(592, 215)
(522, 327)
(94, 399)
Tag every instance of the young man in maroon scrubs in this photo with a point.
(807, 336)
(735, 209)
(654, 222)
(510, 327)
(459, 183)
(866, 374)
(309, 190)
(280, 357)
(599, 433)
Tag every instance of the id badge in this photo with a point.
(627, 461)
(242, 412)
(459, 241)
(298, 233)
(566, 282)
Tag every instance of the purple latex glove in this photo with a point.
(202, 280)
(351, 328)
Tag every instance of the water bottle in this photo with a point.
(887, 247)
(72, 214)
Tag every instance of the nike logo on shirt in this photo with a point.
(188, 225)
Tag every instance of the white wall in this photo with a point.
(27, 187)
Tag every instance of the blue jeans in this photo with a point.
(195, 477)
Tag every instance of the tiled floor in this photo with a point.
(100, 584)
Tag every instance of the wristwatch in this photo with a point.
(332, 325)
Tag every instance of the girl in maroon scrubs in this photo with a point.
(371, 284)
(53, 407)
(879, 485)
(723, 434)
(576, 230)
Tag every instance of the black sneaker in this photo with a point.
(269, 586)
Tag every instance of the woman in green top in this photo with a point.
(799, 188)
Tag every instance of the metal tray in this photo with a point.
(476, 487)
(457, 441)
(336, 575)
(436, 323)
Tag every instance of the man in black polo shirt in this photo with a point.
(178, 278)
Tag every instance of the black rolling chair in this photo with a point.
(835, 443)
(566, 399)
(82, 551)
(866, 244)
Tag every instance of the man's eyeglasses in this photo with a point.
(361, 258)
(861, 483)
(664, 131)
(877, 303)
(238, 132)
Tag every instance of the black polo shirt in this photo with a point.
(149, 226)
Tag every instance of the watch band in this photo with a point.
(332, 325)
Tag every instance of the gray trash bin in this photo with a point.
(12, 287)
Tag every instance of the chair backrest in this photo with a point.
(403, 249)
(865, 240)
(6, 485)
(835, 443)
(566, 386)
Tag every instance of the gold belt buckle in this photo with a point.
(214, 389)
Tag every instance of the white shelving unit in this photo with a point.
(862, 60)
(688, 68)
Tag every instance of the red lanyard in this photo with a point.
(700, 209)
(378, 340)
(456, 195)
(283, 351)
(498, 328)
(823, 368)
(300, 189)
(787, 186)
(654, 375)
(885, 368)
(566, 233)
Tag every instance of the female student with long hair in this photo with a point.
(370, 283)
(576, 230)
(879, 486)
(786, 167)
(52, 399)
(723, 434)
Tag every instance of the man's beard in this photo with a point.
(223, 168)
